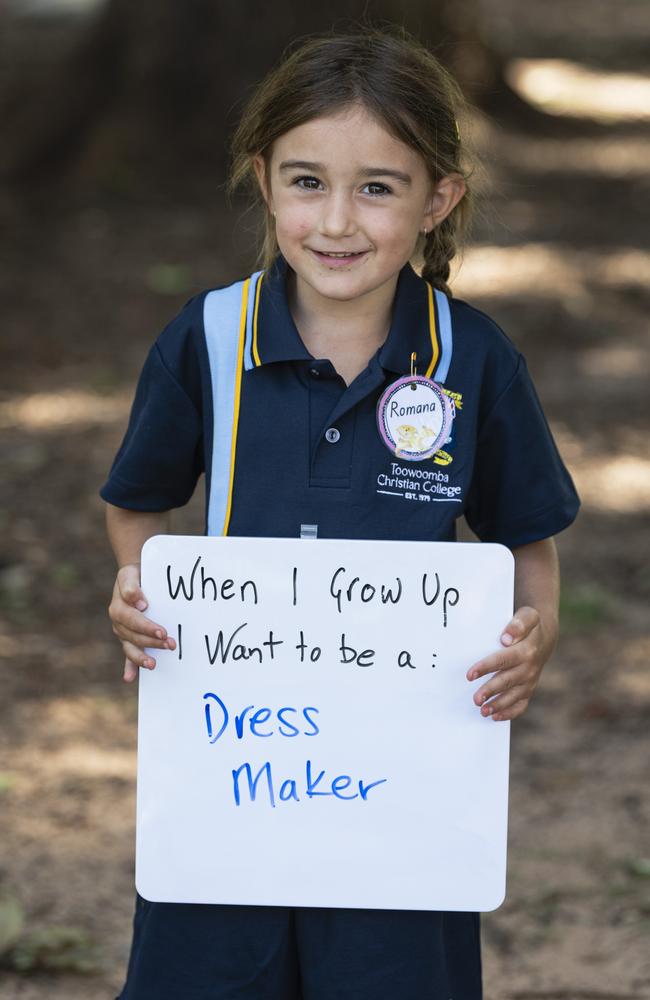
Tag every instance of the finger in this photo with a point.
(520, 625)
(138, 656)
(142, 639)
(124, 617)
(504, 680)
(504, 659)
(506, 700)
(511, 713)
(130, 671)
(128, 582)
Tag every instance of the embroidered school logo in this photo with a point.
(418, 483)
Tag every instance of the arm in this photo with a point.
(128, 530)
(529, 638)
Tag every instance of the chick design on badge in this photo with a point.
(410, 439)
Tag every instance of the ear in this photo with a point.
(445, 195)
(259, 165)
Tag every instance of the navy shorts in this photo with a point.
(186, 951)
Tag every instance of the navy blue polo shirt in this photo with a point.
(308, 450)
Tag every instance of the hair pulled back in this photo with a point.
(399, 82)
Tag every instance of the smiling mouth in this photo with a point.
(339, 255)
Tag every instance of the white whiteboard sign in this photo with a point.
(313, 741)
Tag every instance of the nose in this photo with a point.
(337, 218)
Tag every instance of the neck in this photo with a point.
(348, 333)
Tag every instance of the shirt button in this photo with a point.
(314, 372)
(332, 435)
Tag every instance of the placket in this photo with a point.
(333, 421)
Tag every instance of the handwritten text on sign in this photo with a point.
(313, 740)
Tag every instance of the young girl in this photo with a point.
(354, 147)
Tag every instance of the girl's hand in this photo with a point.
(135, 631)
(516, 669)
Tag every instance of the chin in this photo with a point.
(338, 288)
(342, 284)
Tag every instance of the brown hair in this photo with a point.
(399, 82)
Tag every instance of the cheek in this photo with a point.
(293, 222)
(398, 225)
(396, 234)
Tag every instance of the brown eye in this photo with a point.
(376, 189)
(307, 183)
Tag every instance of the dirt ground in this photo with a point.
(562, 264)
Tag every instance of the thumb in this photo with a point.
(524, 621)
(130, 671)
(128, 579)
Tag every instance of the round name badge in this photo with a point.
(414, 417)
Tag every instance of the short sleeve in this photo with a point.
(161, 456)
(520, 491)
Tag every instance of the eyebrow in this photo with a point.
(398, 175)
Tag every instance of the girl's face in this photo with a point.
(350, 201)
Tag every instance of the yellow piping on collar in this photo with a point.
(435, 349)
(235, 417)
(256, 356)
